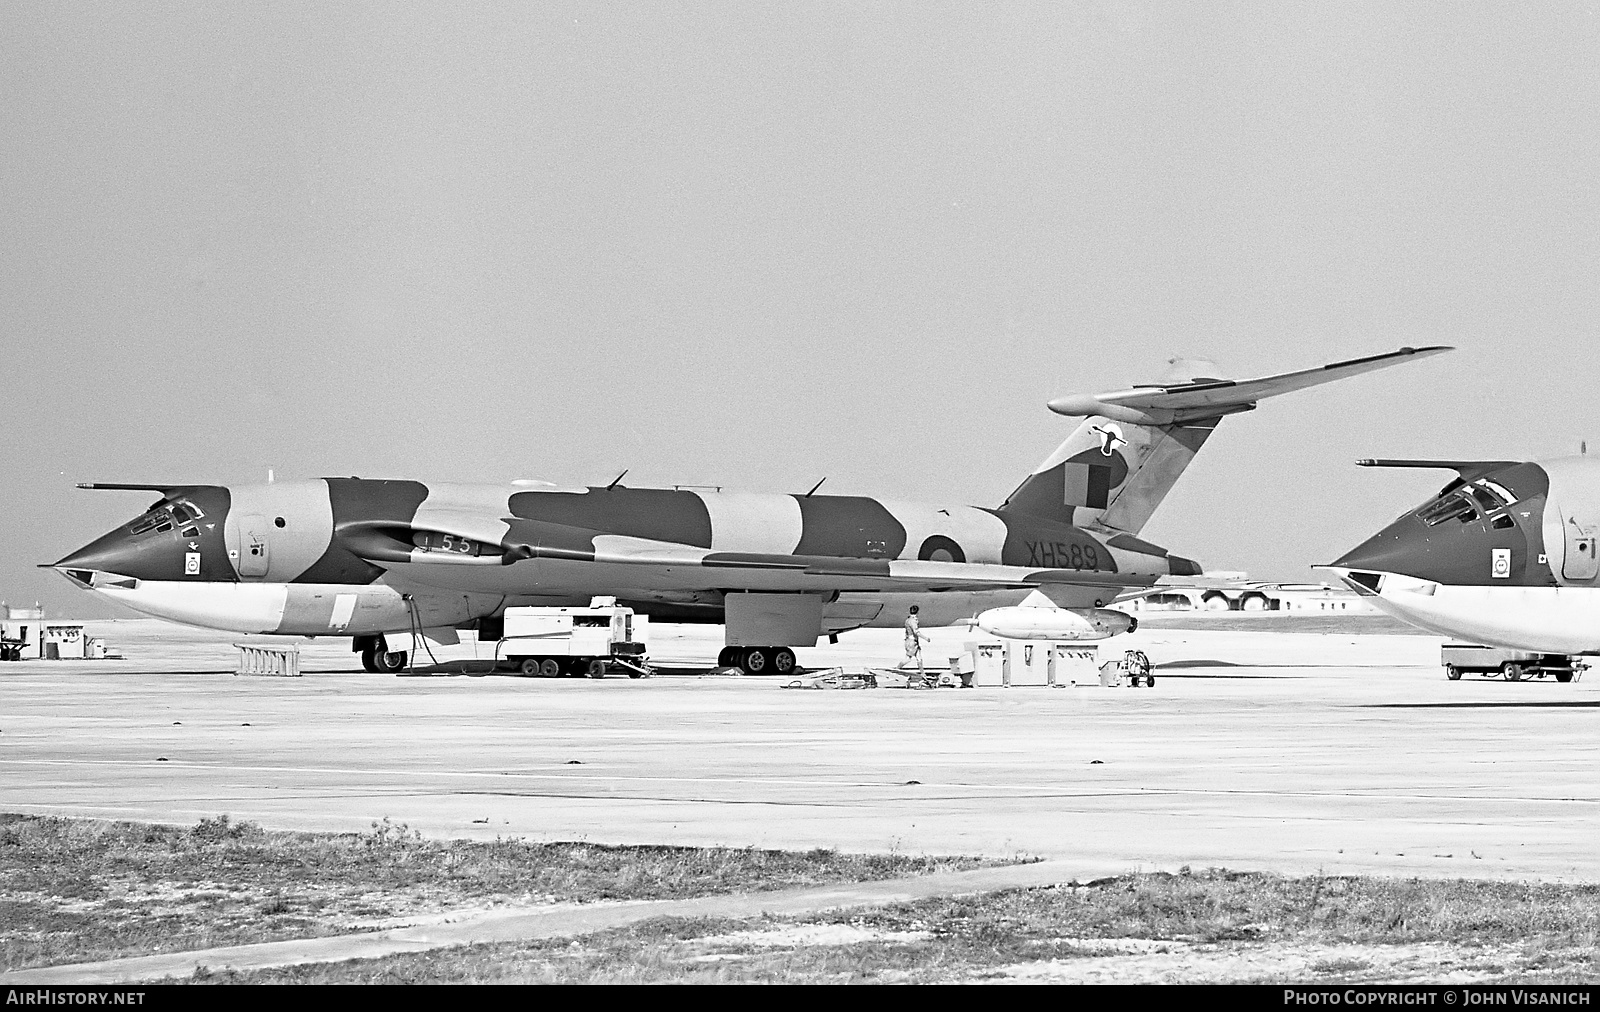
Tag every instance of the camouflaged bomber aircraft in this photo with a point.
(371, 559)
(1503, 555)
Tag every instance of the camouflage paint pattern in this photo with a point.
(349, 556)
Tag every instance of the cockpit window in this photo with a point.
(1455, 506)
(1486, 500)
(163, 516)
(1497, 490)
(1466, 503)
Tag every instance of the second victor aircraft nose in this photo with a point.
(1468, 535)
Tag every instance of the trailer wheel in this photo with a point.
(755, 661)
(1513, 672)
(597, 668)
(529, 666)
(1452, 672)
(782, 661)
(549, 667)
(1563, 676)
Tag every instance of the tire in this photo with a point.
(1513, 672)
(597, 668)
(529, 666)
(1563, 676)
(782, 661)
(728, 657)
(369, 659)
(1253, 602)
(549, 667)
(755, 661)
(390, 661)
(1452, 672)
(1215, 602)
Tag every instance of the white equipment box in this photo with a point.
(1021, 662)
(592, 640)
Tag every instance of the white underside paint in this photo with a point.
(1564, 620)
(234, 607)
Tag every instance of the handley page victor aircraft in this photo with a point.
(1504, 555)
(369, 559)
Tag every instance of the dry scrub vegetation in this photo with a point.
(78, 890)
(1214, 926)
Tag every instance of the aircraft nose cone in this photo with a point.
(1402, 547)
(1449, 542)
(115, 552)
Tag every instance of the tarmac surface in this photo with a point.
(1262, 746)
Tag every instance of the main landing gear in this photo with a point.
(378, 658)
(758, 660)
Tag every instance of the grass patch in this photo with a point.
(76, 890)
(1213, 926)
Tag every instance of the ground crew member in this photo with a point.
(914, 641)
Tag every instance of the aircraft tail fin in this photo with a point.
(1132, 445)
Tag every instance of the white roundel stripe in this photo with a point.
(753, 522)
(981, 534)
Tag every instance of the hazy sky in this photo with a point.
(755, 245)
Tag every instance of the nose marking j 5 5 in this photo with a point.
(1060, 555)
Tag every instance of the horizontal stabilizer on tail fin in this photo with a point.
(1211, 398)
(1119, 464)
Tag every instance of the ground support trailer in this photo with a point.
(1512, 665)
(595, 641)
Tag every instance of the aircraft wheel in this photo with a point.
(755, 661)
(529, 666)
(1452, 672)
(390, 661)
(782, 661)
(369, 659)
(1513, 672)
(597, 668)
(549, 667)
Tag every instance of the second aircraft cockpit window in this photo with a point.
(1465, 503)
(1455, 506)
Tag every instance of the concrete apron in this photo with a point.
(512, 924)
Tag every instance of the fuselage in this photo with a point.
(1505, 555)
(348, 556)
